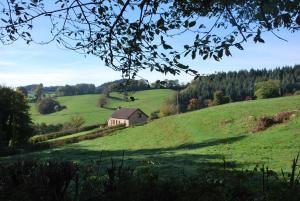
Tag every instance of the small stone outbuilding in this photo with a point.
(127, 116)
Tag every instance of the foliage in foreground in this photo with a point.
(65, 181)
(130, 36)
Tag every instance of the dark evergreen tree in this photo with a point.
(239, 86)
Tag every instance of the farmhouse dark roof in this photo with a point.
(125, 113)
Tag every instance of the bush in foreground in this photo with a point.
(66, 181)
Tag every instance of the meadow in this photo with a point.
(86, 106)
(186, 142)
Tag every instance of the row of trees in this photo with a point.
(167, 84)
(78, 89)
(37, 90)
(241, 85)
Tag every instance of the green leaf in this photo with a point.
(238, 45)
(261, 40)
(220, 53)
(193, 23)
(227, 52)
(179, 65)
(193, 54)
(298, 20)
(166, 46)
(160, 23)
(216, 58)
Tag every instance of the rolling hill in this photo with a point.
(86, 106)
(206, 137)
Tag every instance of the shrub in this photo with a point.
(169, 107)
(282, 117)
(297, 93)
(247, 98)
(194, 104)
(265, 122)
(267, 89)
(37, 180)
(103, 100)
(43, 128)
(132, 98)
(210, 103)
(49, 105)
(66, 181)
(154, 115)
(167, 110)
(219, 99)
(75, 122)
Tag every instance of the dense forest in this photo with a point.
(240, 85)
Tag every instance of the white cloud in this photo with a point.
(7, 63)
(57, 77)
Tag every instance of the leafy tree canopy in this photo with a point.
(267, 89)
(49, 105)
(15, 121)
(130, 35)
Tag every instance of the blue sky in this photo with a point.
(21, 64)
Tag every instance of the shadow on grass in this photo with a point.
(110, 108)
(179, 157)
(117, 98)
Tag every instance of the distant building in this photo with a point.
(127, 116)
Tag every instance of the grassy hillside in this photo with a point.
(199, 138)
(86, 106)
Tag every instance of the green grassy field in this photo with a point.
(197, 139)
(86, 106)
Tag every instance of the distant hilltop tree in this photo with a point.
(22, 90)
(38, 92)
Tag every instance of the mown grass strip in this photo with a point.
(75, 134)
(75, 139)
(45, 137)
